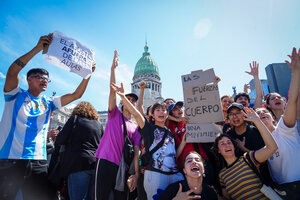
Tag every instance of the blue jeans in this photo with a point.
(81, 185)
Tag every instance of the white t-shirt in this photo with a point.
(24, 125)
(285, 162)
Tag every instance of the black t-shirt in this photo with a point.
(253, 139)
(171, 191)
(81, 141)
(164, 159)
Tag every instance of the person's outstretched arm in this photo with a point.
(68, 98)
(12, 76)
(290, 113)
(257, 83)
(137, 115)
(112, 101)
(270, 147)
(141, 97)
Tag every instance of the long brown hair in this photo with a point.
(221, 163)
(86, 109)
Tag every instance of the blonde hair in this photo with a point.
(87, 110)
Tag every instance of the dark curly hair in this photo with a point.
(86, 109)
(221, 163)
(242, 94)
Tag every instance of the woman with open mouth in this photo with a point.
(193, 186)
(275, 103)
(284, 165)
(161, 168)
(237, 179)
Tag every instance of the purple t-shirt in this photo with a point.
(112, 142)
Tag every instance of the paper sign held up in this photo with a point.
(202, 104)
(198, 77)
(201, 97)
(69, 54)
(202, 133)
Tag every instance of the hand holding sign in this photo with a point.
(44, 42)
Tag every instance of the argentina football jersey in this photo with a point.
(24, 131)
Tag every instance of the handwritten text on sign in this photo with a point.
(198, 78)
(202, 104)
(71, 55)
(202, 133)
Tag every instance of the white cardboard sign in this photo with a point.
(202, 133)
(69, 54)
(202, 105)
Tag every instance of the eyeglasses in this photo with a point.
(42, 78)
(239, 114)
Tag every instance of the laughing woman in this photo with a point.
(284, 165)
(193, 186)
(161, 170)
(236, 170)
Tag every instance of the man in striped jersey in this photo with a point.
(23, 128)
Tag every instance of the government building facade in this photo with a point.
(146, 70)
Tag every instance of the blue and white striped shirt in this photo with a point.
(24, 125)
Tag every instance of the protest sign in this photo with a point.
(201, 97)
(71, 55)
(202, 104)
(197, 78)
(203, 133)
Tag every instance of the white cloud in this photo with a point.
(2, 75)
(202, 28)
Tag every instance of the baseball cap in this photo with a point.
(235, 105)
(172, 106)
(132, 95)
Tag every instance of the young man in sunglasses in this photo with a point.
(23, 157)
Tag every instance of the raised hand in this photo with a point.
(117, 90)
(246, 87)
(217, 80)
(44, 41)
(253, 69)
(295, 60)
(115, 60)
(185, 195)
(250, 115)
(93, 66)
(142, 85)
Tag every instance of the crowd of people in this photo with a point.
(259, 146)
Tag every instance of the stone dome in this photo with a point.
(146, 64)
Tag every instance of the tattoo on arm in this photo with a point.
(19, 63)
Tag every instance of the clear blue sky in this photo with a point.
(183, 36)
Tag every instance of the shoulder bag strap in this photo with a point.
(159, 144)
(124, 126)
(255, 170)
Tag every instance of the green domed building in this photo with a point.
(146, 70)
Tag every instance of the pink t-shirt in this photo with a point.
(112, 142)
